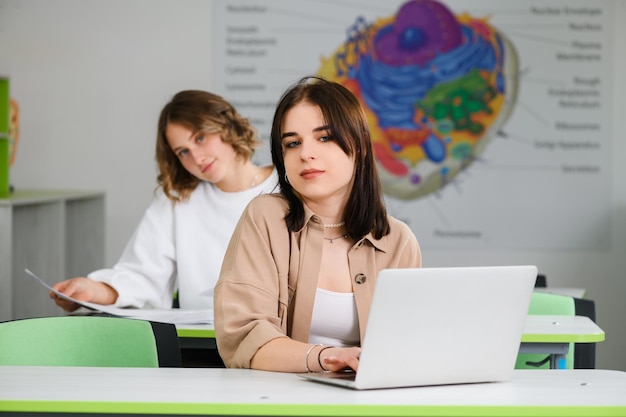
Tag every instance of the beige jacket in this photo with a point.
(269, 277)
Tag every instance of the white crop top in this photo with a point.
(334, 321)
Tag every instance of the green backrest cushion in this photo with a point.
(548, 304)
(551, 304)
(78, 341)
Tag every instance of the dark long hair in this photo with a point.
(199, 111)
(365, 209)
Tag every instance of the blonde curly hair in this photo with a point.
(199, 111)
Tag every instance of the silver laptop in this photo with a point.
(434, 326)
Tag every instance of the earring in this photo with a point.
(286, 179)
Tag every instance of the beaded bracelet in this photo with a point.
(306, 357)
(319, 357)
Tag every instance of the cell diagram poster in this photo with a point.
(491, 120)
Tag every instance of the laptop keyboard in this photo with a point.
(349, 376)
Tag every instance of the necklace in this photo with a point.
(335, 238)
(334, 226)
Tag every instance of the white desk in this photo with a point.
(574, 329)
(191, 335)
(542, 334)
(207, 391)
(553, 334)
(538, 328)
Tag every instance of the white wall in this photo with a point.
(92, 76)
(603, 274)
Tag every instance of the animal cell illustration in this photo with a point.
(436, 88)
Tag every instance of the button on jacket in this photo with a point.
(269, 276)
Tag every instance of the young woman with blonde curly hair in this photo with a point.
(206, 178)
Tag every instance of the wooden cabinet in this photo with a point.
(55, 234)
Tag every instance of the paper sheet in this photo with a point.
(175, 316)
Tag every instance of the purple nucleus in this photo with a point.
(422, 30)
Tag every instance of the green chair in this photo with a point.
(585, 353)
(89, 341)
(547, 304)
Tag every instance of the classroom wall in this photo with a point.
(92, 76)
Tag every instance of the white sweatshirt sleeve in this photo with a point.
(145, 275)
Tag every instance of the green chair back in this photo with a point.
(551, 304)
(548, 304)
(79, 341)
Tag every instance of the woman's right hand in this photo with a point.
(83, 289)
(337, 359)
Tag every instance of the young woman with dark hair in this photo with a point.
(297, 280)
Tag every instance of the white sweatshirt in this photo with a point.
(179, 246)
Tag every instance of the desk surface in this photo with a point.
(538, 329)
(561, 329)
(201, 331)
(244, 392)
(26, 197)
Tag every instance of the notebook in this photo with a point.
(434, 326)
